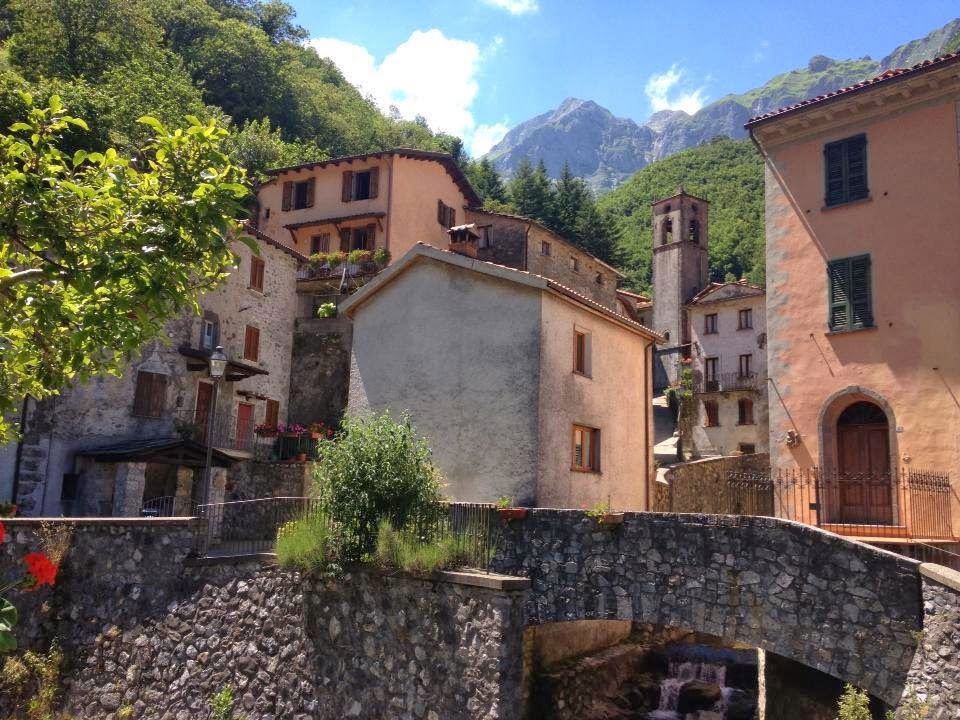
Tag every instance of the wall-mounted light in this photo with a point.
(791, 438)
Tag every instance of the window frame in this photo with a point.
(848, 304)
(574, 263)
(359, 178)
(748, 357)
(749, 315)
(582, 352)
(545, 248)
(251, 331)
(295, 201)
(844, 145)
(711, 419)
(592, 436)
(745, 417)
(212, 321)
(320, 243)
(711, 328)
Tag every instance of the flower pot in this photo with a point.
(316, 435)
(301, 457)
(512, 513)
(611, 519)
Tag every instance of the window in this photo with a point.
(848, 280)
(712, 377)
(251, 344)
(256, 273)
(693, 232)
(69, 493)
(746, 448)
(362, 185)
(711, 412)
(586, 449)
(710, 324)
(266, 213)
(744, 319)
(446, 215)
(845, 168)
(745, 411)
(545, 248)
(150, 395)
(746, 363)
(574, 264)
(484, 241)
(320, 244)
(272, 416)
(209, 331)
(667, 230)
(298, 195)
(582, 360)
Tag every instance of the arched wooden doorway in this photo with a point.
(863, 463)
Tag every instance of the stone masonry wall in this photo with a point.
(250, 480)
(148, 631)
(320, 370)
(841, 607)
(701, 486)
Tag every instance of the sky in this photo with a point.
(476, 68)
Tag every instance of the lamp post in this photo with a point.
(218, 364)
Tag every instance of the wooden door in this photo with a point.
(200, 415)
(244, 426)
(865, 482)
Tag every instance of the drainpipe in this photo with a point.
(526, 246)
(648, 383)
(386, 234)
(15, 487)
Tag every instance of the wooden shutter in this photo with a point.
(346, 191)
(369, 244)
(150, 395)
(251, 343)
(838, 283)
(440, 212)
(856, 167)
(256, 273)
(311, 190)
(861, 309)
(287, 195)
(273, 413)
(345, 240)
(374, 182)
(833, 164)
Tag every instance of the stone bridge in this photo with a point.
(842, 607)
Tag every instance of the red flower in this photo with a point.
(41, 568)
(3, 532)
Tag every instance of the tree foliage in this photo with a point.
(99, 250)
(728, 173)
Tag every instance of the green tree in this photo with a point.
(486, 181)
(99, 250)
(572, 198)
(596, 232)
(853, 705)
(257, 147)
(531, 192)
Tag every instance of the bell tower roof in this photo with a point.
(681, 192)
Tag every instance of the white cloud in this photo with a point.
(761, 52)
(486, 136)
(664, 94)
(515, 7)
(428, 74)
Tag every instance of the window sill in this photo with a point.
(252, 289)
(586, 471)
(749, 424)
(847, 203)
(744, 328)
(851, 330)
(583, 375)
(712, 426)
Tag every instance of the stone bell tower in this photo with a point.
(681, 269)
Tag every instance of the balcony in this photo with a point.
(342, 279)
(231, 434)
(726, 382)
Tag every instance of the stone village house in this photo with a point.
(112, 445)
(863, 225)
(524, 387)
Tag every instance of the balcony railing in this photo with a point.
(725, 382)
(906, 504)
(229, 432)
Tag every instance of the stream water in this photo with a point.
(708, 672)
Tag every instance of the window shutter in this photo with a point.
(856, 168)
(861, 311)
(371, 235)
(346, 193)
(374, 182)
(150, 395)
(311, 189)
(440, 212)
(251, 344)
(287, 195)
(838, 280)
(833, 163)
(256, 273)
(345, 240)
(273, 413)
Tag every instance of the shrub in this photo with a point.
(854, 705)
(221, 706)
(305, 544)
(381, 256)
(358, 257)
(408, 551)
(327, 310)
(374, 469)
(31, 682)
(336, 259)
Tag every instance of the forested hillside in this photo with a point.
(240, 61)
(728, 173)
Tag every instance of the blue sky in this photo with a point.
(479, 67)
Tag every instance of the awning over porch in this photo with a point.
(200, 360)
(166, 451)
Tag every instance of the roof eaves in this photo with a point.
(263, 237)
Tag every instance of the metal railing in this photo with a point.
(158, 507)
(229, 432)
(930, 554)
(908, 504)
(249, 527)
(725, 382)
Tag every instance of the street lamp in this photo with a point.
(217, 366)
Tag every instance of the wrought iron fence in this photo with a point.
(158, 507)
(930, 554)
(909, 504)
(247, 527)
(725, 382)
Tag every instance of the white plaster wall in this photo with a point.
(460, 351)
(616, 399)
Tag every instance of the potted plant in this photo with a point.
(601, 513)
(291, 430)
(336, 259)
(381, 256)
(327, 310)
(359, 257)
(506, 510)
(316, 430)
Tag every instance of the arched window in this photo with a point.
(693, 232)
(667, 231)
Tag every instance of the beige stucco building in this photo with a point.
(523, 387)
(862, 223)
(107, 446)
(729, 362)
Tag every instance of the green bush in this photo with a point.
(374, 469)
(408, 551)
(854, 705)
(381, 256)
(327, 310)
(306, 544)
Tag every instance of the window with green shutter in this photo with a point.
(845, 167)
(848, 281)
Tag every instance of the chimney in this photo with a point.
(464, 240)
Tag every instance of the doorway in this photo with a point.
(202, 413)
(863, 463)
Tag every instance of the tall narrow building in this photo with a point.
(681, 267)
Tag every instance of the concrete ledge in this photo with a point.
(262, 558)
(943, 575)
(100, 521)
(477, 578)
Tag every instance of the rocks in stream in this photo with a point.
(697, 695)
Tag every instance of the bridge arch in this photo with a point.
(841, 607)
